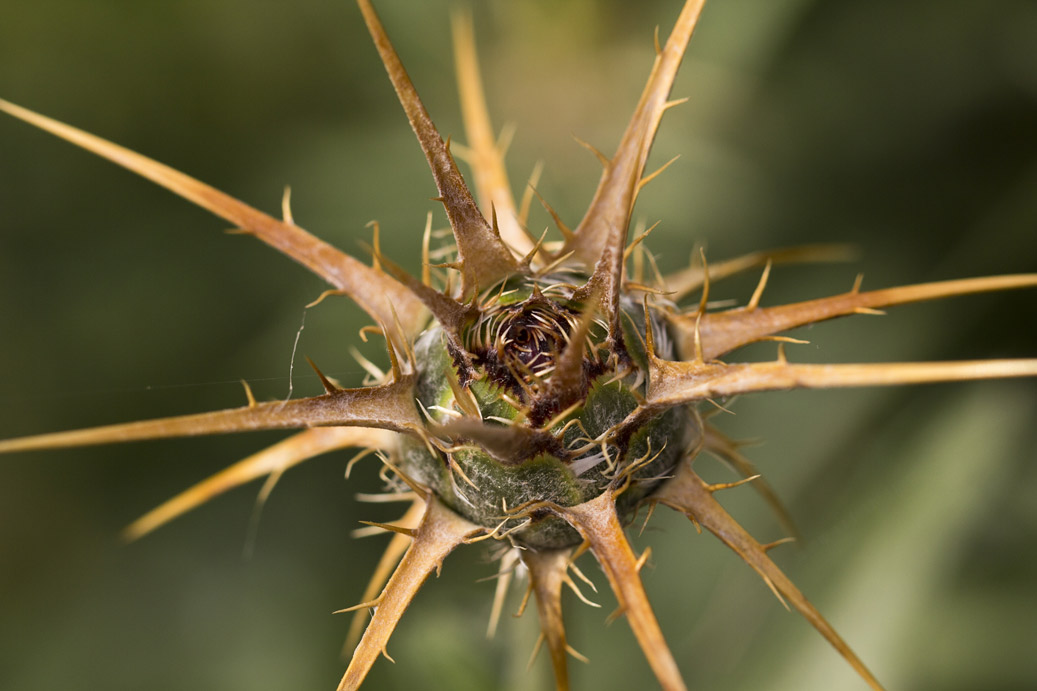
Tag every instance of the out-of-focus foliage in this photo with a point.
(908, 128)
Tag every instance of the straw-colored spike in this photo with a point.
(249, 396)
(527, 195)
(374, 291)
(482, 255)
(559, 223)
(505, 573)
(390, 528)
(754, 301)
(440, 531)
(689, 494)
(613, 201)
(602, 158)
(330, 386)
(574, 586)
(286, 206)
(721, 486)
(676, 383)
(547, 574)
(640, 234)
(721, 446)
(655, 173)
(487, 157)
(274, 459)
(398, 544)
(388, 407)
(598, 524)
(722, 332)
(686, 281)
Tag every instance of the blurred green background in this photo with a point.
(905, 127)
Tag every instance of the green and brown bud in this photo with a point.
(525, 429)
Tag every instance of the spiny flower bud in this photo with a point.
(531, 425)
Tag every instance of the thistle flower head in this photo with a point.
(539, 395)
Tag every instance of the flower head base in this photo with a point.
(538, 395)
(542, 415)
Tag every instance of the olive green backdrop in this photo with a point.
(905, 127)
